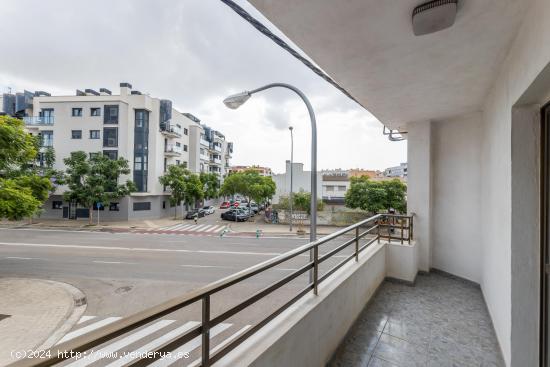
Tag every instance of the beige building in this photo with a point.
(147, 131)
(263, 171)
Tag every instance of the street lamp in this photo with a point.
(291, 169)
(237, 100)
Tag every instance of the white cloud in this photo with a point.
(195, 53)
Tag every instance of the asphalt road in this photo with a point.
(123, 273)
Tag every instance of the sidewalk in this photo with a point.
(154, 224)
(35, 314)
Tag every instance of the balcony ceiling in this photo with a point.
(369, 48)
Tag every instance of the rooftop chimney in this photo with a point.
(136, 92)
(104, 92)
(125, 89)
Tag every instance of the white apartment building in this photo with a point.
(147, 131)
(397, 171)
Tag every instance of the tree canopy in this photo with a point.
(376, 196)
(95, 179)
(210, 185)
(301, 201)
(23, 188)
(250, 184)
(185, 186)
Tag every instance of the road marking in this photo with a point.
(85, 318)
(208, 226)
(133, 249)
(22, 258)
(154, 344)
(112, 262)
(189, 346)
(215, 228)
(113, 347)
(208, 266)
(87, 329)
(197, 362)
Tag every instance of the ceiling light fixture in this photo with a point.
(434, 16)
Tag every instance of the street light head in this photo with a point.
(236, 100)
(290, 128)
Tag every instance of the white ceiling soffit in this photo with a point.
(369, 48)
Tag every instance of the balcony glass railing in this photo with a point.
(217, 148)
(170, 148)
(204, 157)
(205, 142)
(38, 120)
(170, 129)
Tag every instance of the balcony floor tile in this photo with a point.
(441, 321)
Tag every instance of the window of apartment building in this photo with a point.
(76, 134)
(178, 144)
(110, 114)
(94, 134)
(47, 115)
(164, 205)
(185, 131)
(330, 188)
(94, 155)
(111, 154)
(341, 188)
(141, 151)
(110, 137)
(95, 111)
(185, 147)
(142, 206)
(77, 112)
(184, 163)
(113, 207)
(177, 162)
(165, 164)
(57, 204)
(46, 138)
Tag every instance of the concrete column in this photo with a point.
(419, 187)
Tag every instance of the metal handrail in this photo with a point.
(101, 335)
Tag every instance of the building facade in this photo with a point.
(397, 171)
(262, 171)
(146, 131)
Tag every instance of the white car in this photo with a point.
(209, 209)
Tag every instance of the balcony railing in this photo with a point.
(216, 160)
(204, 157)
(217, 148)
(172, 149)
(205, 143)
(372, 226)
(38, 120)
(170, 129)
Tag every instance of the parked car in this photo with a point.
(209, 209)
(236, 215)
(195, 212)
(225, 205)
(254, 207)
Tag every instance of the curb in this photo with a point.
(73, 314)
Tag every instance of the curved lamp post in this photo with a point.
(291, 170)
(237, 100)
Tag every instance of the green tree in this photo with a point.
(185, 187)
(302, 201)
(23, 189)
(376, 196)
(250, 184)
(95, 179)
(210, 184)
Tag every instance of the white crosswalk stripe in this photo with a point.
(123, 350)
(194, 228)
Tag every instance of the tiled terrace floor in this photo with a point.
(439, 322)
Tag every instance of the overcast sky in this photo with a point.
(193, 52)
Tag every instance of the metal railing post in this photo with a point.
(401, 223)
(357, 244)
(378, 230)
(315, 269)
(206, 331)
(411, 231)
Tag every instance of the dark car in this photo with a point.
(235, 215)
(195, 212)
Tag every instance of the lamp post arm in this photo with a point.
(313, 206)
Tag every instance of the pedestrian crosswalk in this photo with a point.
(123, 350)
(195, 228)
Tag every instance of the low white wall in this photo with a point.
(309, 332)
(402, 261)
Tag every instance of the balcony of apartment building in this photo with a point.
(205, 143)
(217, 146)
(216, 159)
(39, 120)
(170, 130)
(461, 278)
(172, 150)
